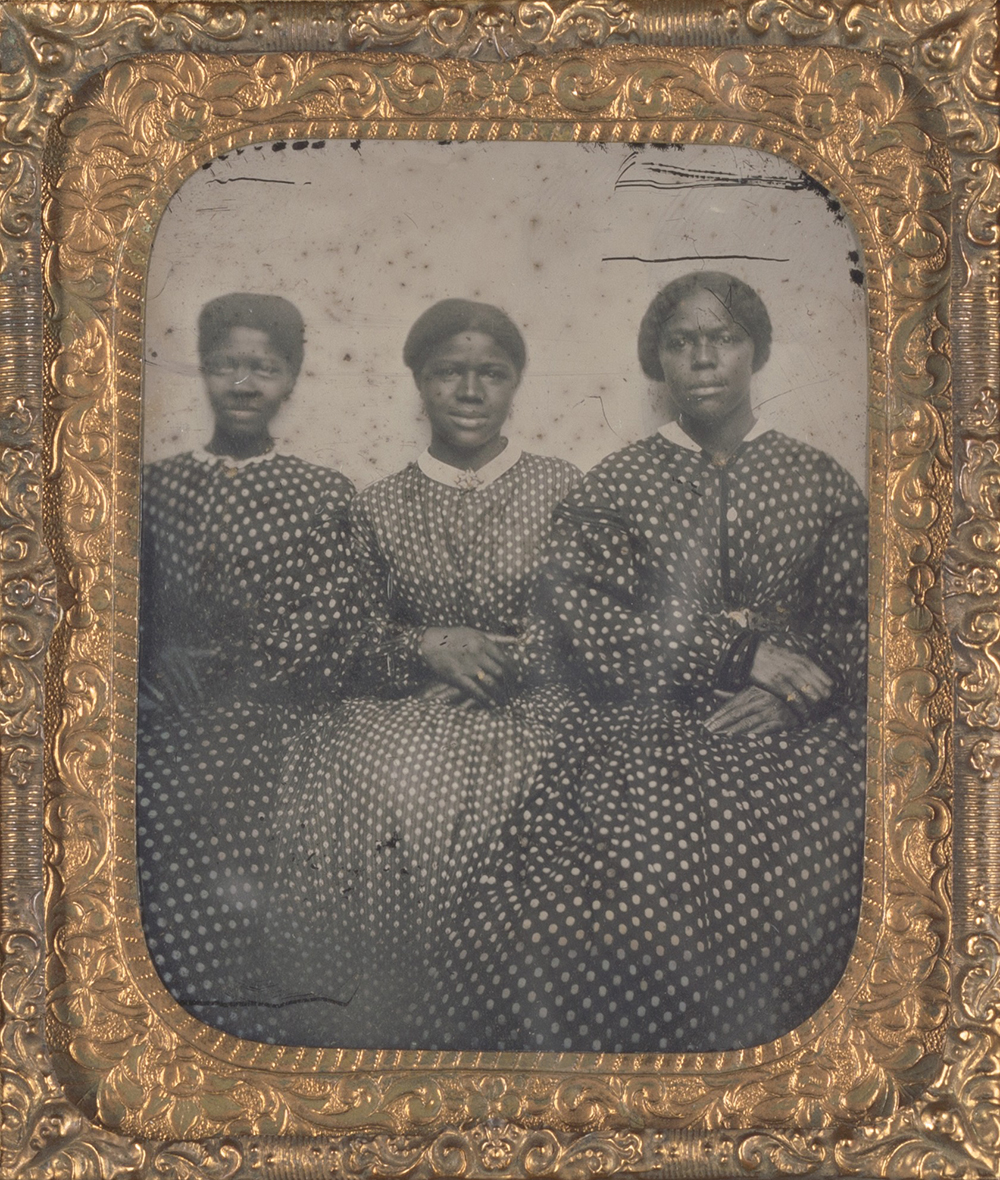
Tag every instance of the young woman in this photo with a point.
(690, 879)
(246, 607)
(391, 805)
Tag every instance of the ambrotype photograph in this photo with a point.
(503, 612)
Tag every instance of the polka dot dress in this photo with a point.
(247, 563)
(390, 806)
(670, 889)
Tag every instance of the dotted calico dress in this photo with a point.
(247, 561)
(390, 806)
(670, 889)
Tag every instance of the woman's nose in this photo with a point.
(244, 379)
(704, 355)
(470, 387)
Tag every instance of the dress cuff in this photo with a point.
(406, 665)
(734, 670)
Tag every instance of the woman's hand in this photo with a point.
(791, 677)
(470, 660)
(448, 694)
(753, 712)
(178, 677)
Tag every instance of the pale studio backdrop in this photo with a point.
(571, 240)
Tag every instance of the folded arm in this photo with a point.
(308, 617)
(614, 624)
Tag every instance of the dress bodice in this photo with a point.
(666, 561)
(236, 555)
(450, 556)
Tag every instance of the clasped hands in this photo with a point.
(785, 688)
(178, 677)
(470, 667)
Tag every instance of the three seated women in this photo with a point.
(593, 778)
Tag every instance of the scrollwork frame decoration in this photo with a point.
(891, 105)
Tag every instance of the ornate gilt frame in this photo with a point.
(892, 105)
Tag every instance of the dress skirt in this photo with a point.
(389, 812)
(669, 890)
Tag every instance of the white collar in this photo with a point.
(205, 456)
(465, 479)
(675, 433)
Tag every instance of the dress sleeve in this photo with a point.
(536, 657)
(835, 633)
(171, 608)
(308, 621)
(615, 622)
(386, 659)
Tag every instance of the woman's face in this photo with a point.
(467, 384)
(707, 359)
(247, 381)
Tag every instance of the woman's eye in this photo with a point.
(225, 366)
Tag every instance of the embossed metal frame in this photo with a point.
(892, 106)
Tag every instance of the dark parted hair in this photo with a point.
(738, 298)
(451, 316)
(272, 314)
